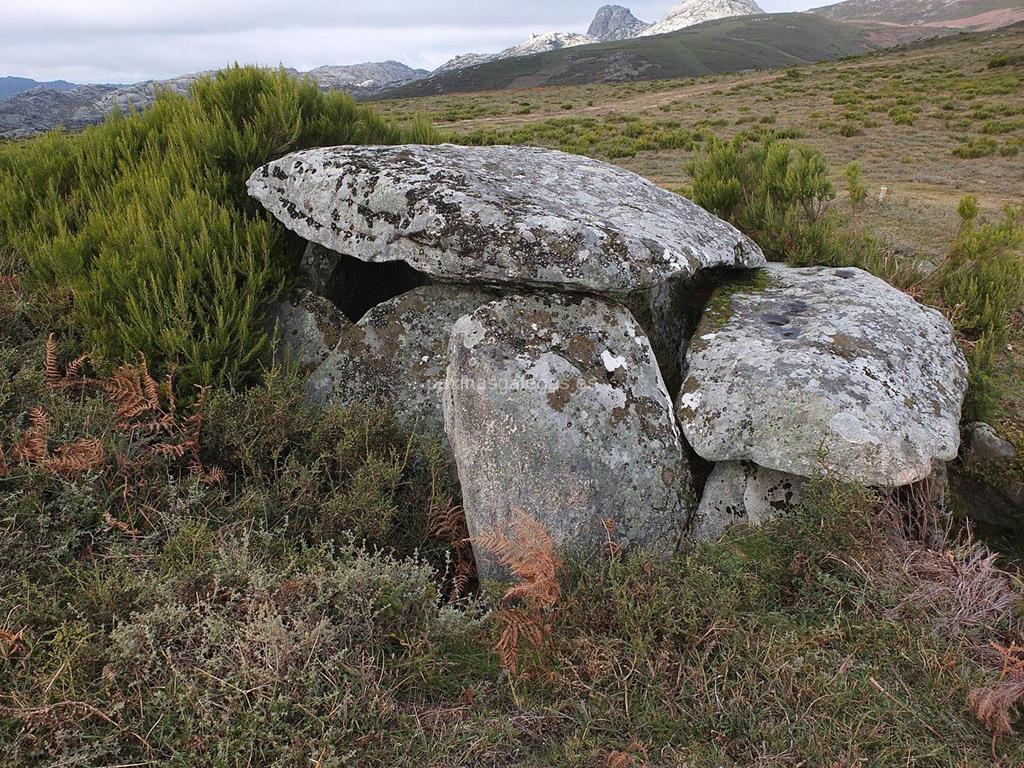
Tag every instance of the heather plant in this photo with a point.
(981, 282)
(145, 222)
(777, 193)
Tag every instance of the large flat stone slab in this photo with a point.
(823, 371)
(554, 405)
(519, 216)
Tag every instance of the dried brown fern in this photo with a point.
(76, 458)
(10, 643)
(448, 523)
(996, 706)
(527, 550)
(136, 394)
(33, 445)
(66, 377)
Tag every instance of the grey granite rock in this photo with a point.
(823, 371)
(988, 480)
(983, 446)
(741, 492)
(519, 216)
(308, 328)
(554, 405)
(397, 354)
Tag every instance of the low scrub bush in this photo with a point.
(145, 221)
(1006, 60)
(975, 147)
(780, 195)
(981, 283)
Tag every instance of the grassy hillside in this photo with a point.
(957, 14)
(728, 45)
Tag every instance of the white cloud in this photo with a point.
(117, 41)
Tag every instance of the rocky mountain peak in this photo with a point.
(615, 22)
(690, 12)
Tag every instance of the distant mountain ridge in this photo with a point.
(538, 43)
(761, 41)
(691, 12)
(40, 109)
(11, 86)
(967, 15)
(612, 23)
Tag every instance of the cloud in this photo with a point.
(125, 41)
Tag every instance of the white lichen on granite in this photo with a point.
(397, 355)
(824, 371)
(520, 216)
(539, 421)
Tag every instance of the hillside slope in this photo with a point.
(9, 86)
(952, 14)
(726, 45)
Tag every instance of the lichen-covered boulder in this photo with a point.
(554, 406)
(741, 492)
(988, 480)
(520, 216)
(823, 371)
(307, 327)
(397, 354)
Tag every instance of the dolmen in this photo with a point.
(548, 316)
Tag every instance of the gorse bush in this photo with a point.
(778, 194)
(145, 221)
(982, 284)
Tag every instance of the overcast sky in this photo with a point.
(130, 40)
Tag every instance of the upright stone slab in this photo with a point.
(824, 371)
(308, 327)
(554, 405)
(519, 216)
(741, 492)
(397, 354)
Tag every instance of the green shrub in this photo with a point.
(975, 147)
(777, 193)
(982, 283)
(1006, 60)
(853, 173)
(145, 219)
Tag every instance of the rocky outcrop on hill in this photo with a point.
(614, 22)
(43, 109)
(554, 401)
(537, 43)
(498, 216)
(690, 12)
